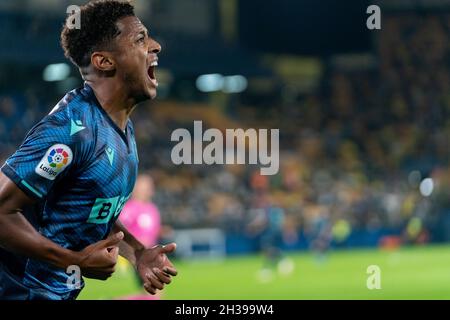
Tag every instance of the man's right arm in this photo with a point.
(17, 235)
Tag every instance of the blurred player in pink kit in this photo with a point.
(141, 217)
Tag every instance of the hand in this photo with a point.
(154, 268)
(98, 260)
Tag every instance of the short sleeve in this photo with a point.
(45, 156)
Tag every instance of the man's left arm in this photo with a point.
(129, 247)
(152, 264)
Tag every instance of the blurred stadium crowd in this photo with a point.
(366, 155)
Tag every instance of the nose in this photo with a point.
(154, 46)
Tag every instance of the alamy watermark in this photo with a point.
(215, 153)
(74, 19)
(73, 282)
(374, 278)
(374, 20)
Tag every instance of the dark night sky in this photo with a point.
(304, 26)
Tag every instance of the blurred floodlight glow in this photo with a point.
(234, 84)
(216, 82)
(56, 72)
(426, 187)
(209, 82)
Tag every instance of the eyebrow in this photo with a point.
(144, 32)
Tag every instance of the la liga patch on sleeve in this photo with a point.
(55, 160)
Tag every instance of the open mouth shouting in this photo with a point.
(151, 72)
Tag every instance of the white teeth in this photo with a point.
(154, 64)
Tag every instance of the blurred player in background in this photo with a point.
(272, 237)
(320, 236)
(141, 217)
(267, 221)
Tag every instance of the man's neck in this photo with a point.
(114, 99)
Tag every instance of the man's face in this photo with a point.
(136, 58)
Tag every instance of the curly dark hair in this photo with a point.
(98, 28)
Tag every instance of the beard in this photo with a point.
(138, 87)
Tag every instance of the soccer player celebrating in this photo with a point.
(62, 191)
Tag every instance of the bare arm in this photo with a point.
(130, 248)
(19, 236)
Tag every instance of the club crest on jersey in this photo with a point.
(55, 160)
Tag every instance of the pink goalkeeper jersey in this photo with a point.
(143, 221)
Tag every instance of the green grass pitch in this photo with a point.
(408, 273)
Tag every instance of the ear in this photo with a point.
(103, 61)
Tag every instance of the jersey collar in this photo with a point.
(88, 92)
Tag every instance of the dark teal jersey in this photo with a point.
(81, 167)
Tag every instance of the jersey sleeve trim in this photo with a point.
(21, 183)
